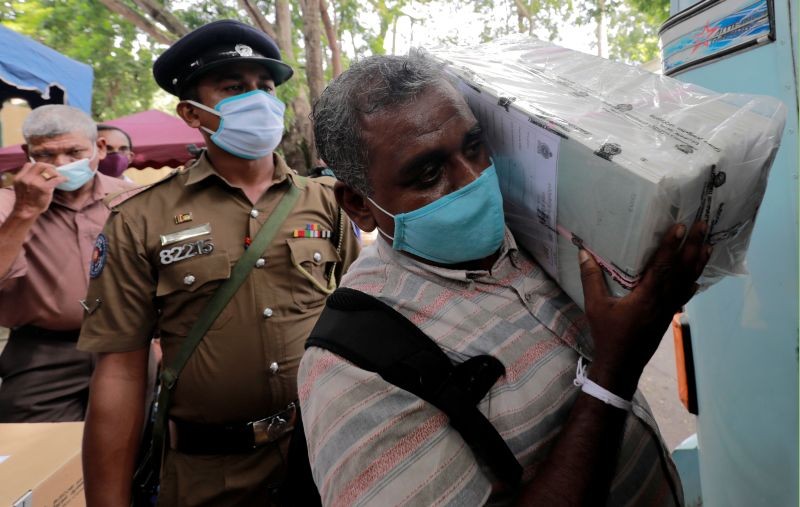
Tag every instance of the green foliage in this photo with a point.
(632, 26)
(86, 31)
(536, 17)
(654, 12)
(122, 56)
(201, 12)
(634, 37)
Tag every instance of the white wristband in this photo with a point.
(597, 391)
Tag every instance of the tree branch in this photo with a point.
(333, 38)
(258, 17)
(161, 15)
(139, 21)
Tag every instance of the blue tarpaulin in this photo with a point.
(41, 75)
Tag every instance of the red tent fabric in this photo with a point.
(159, 139)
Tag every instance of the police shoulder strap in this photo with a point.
(375, 337)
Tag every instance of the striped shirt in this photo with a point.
(371, 443)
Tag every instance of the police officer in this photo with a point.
(165, 251)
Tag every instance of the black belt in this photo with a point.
(35, 332)
(194, 438)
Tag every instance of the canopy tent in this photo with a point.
(159, 139)
(40, 75)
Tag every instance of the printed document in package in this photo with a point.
(608, 156)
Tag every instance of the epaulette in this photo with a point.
(328, 181)
(115, 199)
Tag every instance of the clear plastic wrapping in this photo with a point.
(609, 156)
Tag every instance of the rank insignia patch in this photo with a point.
(311, 231)
(183, 218)
(99, 256)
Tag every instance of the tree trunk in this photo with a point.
(296, 140)
(523, 14)
(298, 143)
(333, 38)
(312, 38)
(394, 34)
(602, 29)
(283, 27)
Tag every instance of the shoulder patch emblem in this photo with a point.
(99, 256)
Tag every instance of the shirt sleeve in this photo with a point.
(121, 312)
(20, 265)
(372, 443)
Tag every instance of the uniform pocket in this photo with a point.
(184, 289)
(312, 259)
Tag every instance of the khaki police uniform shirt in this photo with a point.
(170, 247)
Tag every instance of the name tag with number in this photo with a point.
(186, 251)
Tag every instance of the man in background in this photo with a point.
(49, 221)
(119, 151)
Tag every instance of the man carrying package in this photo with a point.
(448, 264)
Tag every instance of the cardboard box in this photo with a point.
(41, 465)
(608, 156)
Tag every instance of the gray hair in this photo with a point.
(57, 120)
(369, 86)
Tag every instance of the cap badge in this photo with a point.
(243, 50)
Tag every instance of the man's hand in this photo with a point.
(580, 467)
(627, 330)
(33, 186)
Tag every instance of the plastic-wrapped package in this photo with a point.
(609, 156)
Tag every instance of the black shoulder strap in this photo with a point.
(375, 337)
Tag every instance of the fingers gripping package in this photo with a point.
(607, 156)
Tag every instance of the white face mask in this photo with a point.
(77, 173)
(250, 126)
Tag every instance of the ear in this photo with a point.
(131, 156)
(188, 113)
(355, 205)
(101, 148)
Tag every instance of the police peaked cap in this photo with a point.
(215, 44)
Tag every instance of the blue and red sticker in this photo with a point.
(99, 256)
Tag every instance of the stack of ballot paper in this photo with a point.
(608, 156)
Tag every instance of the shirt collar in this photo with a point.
(202, 169)
(508, 252)
(100, 190)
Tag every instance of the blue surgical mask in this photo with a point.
(465, 225)
(250, 125)
(78, 173)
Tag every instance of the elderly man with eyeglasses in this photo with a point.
(49, 221)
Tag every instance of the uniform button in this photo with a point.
(317, 256)
(267, 313)
(254, 213)
(273, 367)
(189, 279)
(260, 262)
(528, 297)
